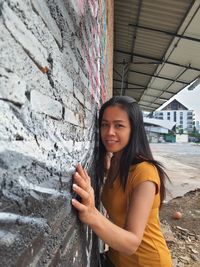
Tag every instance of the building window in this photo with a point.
(174, 115)
(168, 115)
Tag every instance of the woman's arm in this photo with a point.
(124, 240)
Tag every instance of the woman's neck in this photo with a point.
(114, 167)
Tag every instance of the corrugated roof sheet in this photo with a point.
(156, 49)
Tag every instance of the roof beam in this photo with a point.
(157, 60)
(151, 108)
(167, 33)
(157, 76)
(135, 30)
(143, 87)
(149, 102)
(160, 98)
(136, 88)
(181, 73)
(145, 63)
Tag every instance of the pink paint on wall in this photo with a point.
(81, 6)
(94, 47)
(93, 7)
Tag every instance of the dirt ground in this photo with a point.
(182, 163)
(183, 235)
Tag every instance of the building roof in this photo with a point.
(174, 105)
(161, 123)
(156, 49)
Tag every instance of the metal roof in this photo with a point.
(161, 123)
(156, 49)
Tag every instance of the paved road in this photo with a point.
(182, 162)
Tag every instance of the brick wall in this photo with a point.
(55, 60)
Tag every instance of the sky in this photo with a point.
(190, 99)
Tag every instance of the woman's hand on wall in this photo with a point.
(82, 187)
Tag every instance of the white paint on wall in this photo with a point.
(43, 10)
(40, 189)
(71, 117)
(45, 104)
(10, 125)
(8, 217)
(24, 37)
(12, 87)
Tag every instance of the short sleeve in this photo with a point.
(142, 172)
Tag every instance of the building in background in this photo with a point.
(157, 130)
(178, 113)
(197, 124)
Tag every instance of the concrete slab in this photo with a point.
(182, 163)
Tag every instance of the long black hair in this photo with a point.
(137, 150)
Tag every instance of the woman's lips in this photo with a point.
(111, 142)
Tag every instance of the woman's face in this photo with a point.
(115, 129)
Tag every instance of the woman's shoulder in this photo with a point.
(144, 165)
(143, 171)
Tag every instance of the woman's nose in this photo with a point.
(111, 130)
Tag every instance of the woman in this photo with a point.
(133, 190)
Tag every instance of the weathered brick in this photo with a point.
(68, 52)
(79, 48)
(15, 60)
(76, 6)
(88, 105)
(64, 14)
(11, 127)
(44, 104)
(67, 99)
(7, 238)
(79, 95)
(69, 145)
(84, 79)
(12, 87)
(22, 35)
(43, 10)
(79, 146)
(71, 117)
(59, 74)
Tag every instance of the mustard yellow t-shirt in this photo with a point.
(153, 251)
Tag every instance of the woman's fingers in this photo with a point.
(81, 172)
(87, 176)
(80, 207)
(82, 187)
(80, 181)
(81, 192)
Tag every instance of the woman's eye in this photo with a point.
(103, 125)
(119, 125)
